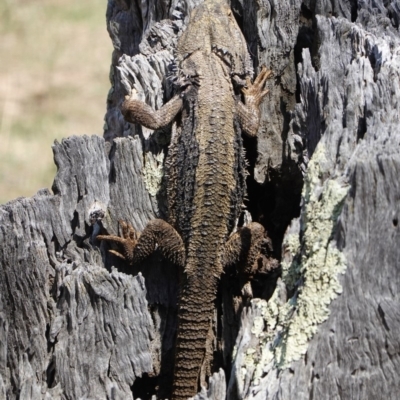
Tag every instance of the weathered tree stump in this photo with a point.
(75, 322)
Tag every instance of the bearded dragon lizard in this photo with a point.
(206, 172)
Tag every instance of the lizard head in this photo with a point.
(213, 29)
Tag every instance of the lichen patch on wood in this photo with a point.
(320, 264)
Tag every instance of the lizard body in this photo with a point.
(206, 179)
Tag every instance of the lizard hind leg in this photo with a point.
(157, 234)
(243, 248)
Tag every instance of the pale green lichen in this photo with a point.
(320, 263)
(249, 357)
(264, 328)
(153, 172)
(264, 325)
(267, 358)
(291, 270)
(312, 273)
(258, 326)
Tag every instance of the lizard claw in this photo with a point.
(127, 240)
(255, 91)
(262, 76)
(117, 254)
(128, 232)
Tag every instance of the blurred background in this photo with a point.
(54, 63)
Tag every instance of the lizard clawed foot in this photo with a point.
(127, 240)
(255, 91)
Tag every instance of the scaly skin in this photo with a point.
(205, 170)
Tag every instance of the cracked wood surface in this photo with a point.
(63, 316)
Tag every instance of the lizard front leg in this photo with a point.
(157, 232)
(249, 113)
(137, 111)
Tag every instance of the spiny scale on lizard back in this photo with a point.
(206, 177)
(212, 37)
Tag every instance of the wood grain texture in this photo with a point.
(72, 328)
(66, 319)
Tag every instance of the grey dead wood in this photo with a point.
(71, 326)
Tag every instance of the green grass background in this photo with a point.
(54, 64)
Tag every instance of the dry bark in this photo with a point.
(71, 326)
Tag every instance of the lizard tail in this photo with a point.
(193, 350)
